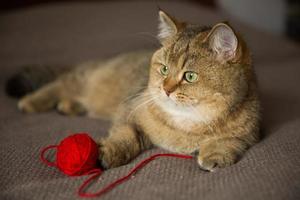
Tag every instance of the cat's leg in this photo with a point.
(123, 144)
(63, 94)
(70, 107)
(220, 153)
(41, 100)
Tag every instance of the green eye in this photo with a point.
(164, 70)
(190, 76)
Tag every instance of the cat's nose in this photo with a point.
(168, 91)
(169, 86)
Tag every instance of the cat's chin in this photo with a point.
(181, 116)
(176, 107)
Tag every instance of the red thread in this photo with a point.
(52, 164)
(77, 155)
(124, 178)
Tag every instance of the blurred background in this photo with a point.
(279, 17)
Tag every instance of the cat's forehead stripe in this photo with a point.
(186, 54)
(178, 52)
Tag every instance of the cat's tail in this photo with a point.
(30, 78)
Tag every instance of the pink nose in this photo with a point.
(168, 92)
(169, 85)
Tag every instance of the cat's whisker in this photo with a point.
(152, 38)
(147, 34)
(143, 93)
(135, 109)
(147, 101)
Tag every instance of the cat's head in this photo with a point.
(199, 72)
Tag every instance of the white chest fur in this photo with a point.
(184, 117)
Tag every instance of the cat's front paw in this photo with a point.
(104, 158)
(211, 161)
(108, 156)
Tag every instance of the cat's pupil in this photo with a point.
(164, 70)
(190, 76)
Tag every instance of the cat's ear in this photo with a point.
(223, 41)
(167, 27)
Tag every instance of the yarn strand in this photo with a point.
(124, 178)
(42, 156)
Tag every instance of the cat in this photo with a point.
(196, 94)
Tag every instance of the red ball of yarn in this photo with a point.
(76, 154)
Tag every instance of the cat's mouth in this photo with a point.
(175, 99)
(179, 99)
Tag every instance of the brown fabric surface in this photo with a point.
(61, 34)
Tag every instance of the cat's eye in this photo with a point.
(164, 70)
(190, 76)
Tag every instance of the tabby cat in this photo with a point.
(196, 94)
